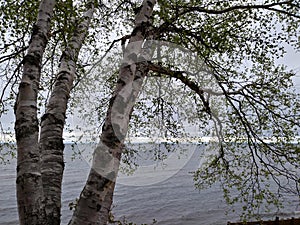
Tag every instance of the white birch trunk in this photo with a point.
(52, 122)
(95, 200)
(29, 180)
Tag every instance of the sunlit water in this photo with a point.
(170, 199)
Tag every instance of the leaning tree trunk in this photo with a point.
(29, 180)
(52, 122)
(96, 198)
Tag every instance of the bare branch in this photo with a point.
(13, 55)
(184, 79)
(270, 7)
(122, 39)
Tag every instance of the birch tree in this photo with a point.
(97, 193)
(29, 179)
(258, 100)
(52, 122)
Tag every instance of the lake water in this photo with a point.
(165, 194)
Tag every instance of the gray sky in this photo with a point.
(291, 59)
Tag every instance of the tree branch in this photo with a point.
(122, 39)
(200, 92)
(270, 6)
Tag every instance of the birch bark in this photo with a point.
(96, 197)
(29, 180)
(52, 122)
